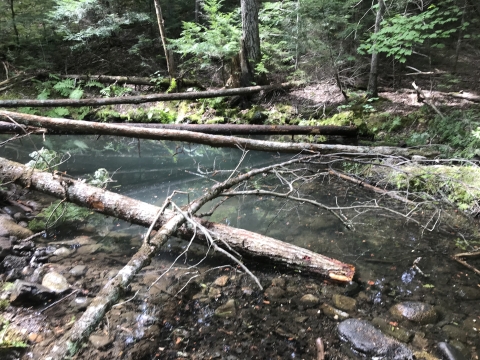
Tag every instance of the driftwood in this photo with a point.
(141, 213)
(133, 80)
(458, 258)
(206, 139)
(145, 98)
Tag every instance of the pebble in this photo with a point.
(88, 249)
(221, 281)
(414, 311)
(227, 309)
(333, 313)
(35, 338)
(274, 293)
(367, 339)
(100, 341)
(79, 270)
(309, 300)
(398, 332)
(80, 303)
(344, 303)
(279, 281)
(63, 252)
(55, 282)
(5, 247)
(454, 332)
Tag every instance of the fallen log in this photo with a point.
(122, 207)
(81, 127)
(133, 80)
(10, 128)
(144, 98)
(109, 295)
(465, 96)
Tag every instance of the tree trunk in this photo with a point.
(163, 36)
(144, 98)
(14, 23)
(250, 43)
(122, 207)
(372, 89)
(206, 139)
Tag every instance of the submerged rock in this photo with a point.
(79, 270)
(309, 300)
(55, 282)
(449, 352)
(27, 292)
(368, 340)
(221, 281)
(344, 303)
(414, 311)
(100, 341)
(274, 293)
(467, 293)
(334, 313)
(227, 309)
(8, 227)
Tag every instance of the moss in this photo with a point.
(216, 120)
(4, 304)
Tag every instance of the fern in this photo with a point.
(65, 87)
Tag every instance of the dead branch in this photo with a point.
(122, 207)
(458, 258)
(133, 80)
(465, 96)
(207, 139)
(422, 96)
(144, 98)
(112, 291)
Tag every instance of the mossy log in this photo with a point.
(82, 127)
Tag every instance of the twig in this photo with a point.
(56, 302)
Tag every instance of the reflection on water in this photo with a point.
(398, 258)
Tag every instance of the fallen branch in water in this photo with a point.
(81, 127)
(457, 258)
(69, 344)
(138, 212)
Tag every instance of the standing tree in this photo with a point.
(168, 52)
(250, 43)
(372, 89)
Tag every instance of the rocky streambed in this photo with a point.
(212, 310)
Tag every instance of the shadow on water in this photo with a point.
(395, 261)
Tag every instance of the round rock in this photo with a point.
(55, 282)
(309, 300)
(367, 339)
(414, 311)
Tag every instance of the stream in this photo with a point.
(205, 307)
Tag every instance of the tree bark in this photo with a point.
(144, 98)
(206, 139)
(163, 36)
(122, 207)
(372, 89)
(14, 22)
(250, 43)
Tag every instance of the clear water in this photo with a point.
(395, 259)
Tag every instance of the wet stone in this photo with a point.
(344, 303)
(100, 341)
(227, 309)
(280, 282)
(5, 247)
(397, 332)
(11, 262)
(414, 311)
(88, 249)
(55, 282)
(309, 300)
(449, 352)
(333, 313)
(27, 292)
(351, 289)
(454, 332)
(35, 338)
(221, 281)
(368, 340)
(274, 293)
(80, 303)
(8, 227)
(79, 270)
(63, 252)
(467, 293)
(214, 293)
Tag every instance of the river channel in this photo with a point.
(205, 307)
